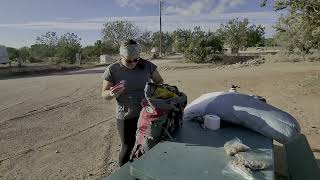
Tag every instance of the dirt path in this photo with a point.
(58, 127)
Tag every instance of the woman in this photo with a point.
(125, 80)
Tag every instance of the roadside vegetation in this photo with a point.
(297, 37)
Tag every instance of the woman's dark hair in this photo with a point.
(129, 42)
(141, 63)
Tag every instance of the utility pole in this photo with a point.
(160, 9)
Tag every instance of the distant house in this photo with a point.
(4, 59)
(105, 58)
(226, 49)
(154, 50)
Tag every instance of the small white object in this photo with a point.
(212, 122)
(105, 59)
(112, 94)
(4, 58)
(78, 59)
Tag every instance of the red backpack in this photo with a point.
(158, 118)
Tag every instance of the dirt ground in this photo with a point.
(58, 127)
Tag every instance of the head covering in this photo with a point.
(131, 51)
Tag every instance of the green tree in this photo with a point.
(118, 31)
(50, 40)
(234, 33)
(39, 51)
(309, 10)
(13, 53)
(145, 41)
(214, 42)
(67, 47)
(89, 52)
(302, 21)
(167, 41)
(203, 45)
(197, 50)
(24, 53)
(255, 36)
(103, 48)
(181, 39)
(293, 32)
(99, 48)
(271, 42)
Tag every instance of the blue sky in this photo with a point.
(21, 21)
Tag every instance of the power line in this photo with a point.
(160, 9)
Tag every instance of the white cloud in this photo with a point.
(225, 5)
(187, 7)
(194, 8)
(89, 29)
(170, 23)
(136, 3)
(55, 25)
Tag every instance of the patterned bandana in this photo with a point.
(130, 51)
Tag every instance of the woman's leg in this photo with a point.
(127, 131)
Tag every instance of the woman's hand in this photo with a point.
(116, 90)
(109, 90)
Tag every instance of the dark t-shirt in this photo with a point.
(129, 101)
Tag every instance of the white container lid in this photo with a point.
(212, 122)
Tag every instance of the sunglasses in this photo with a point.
(132, 61)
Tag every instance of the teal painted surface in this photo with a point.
(122, 174)
(301, 161)
(199, 154)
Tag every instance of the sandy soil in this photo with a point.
(58, 127)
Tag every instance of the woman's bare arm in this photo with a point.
(156, 77)
(106, 93)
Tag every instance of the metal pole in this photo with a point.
(160, 48)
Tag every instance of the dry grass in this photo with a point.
(283, 57)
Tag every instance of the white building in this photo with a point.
(105, 58)
(4, 59)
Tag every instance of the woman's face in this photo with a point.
(130, 63)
